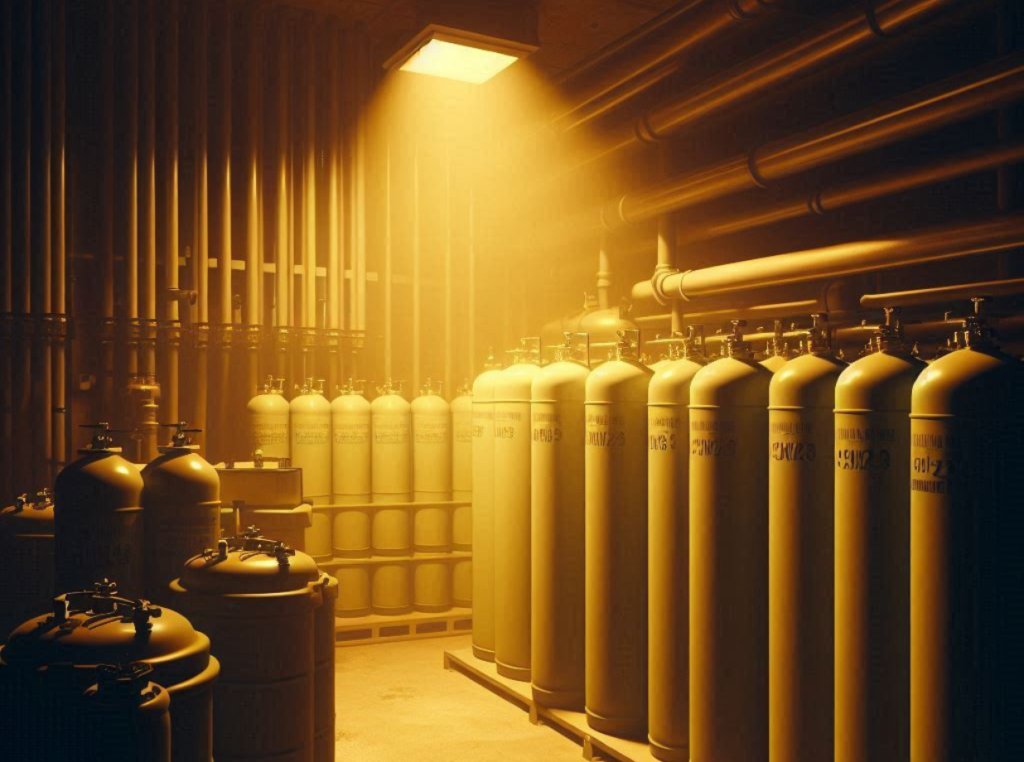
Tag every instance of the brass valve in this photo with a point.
(734, 345)
(180, 437)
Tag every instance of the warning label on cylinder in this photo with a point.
(507, 423)
(711, 438)
(606, 430)
(483, 422)
(390, 431)
(463, 432)
(351, 432)
(315, 433)
(547, 428)
(791, 441)
(864, 448)
(935, 465)
(267, 433)
(662, 431)
(431, 431)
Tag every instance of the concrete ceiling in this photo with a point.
(568, 30)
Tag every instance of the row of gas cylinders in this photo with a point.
(111, 672)
(735, 562)
(353, 452)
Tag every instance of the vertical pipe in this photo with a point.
(219, 397)
(202, 262)
(104, 408)
(224, 205)
(448, 388)
(6, 250)
(362, 72)
(58, 241)
(417, 287)
(309, 181)
(283, 271)
(334, 203)
(253, 269)
(170, 122)
(128, 81)
(604, 274)
(147, 88)
(388, 283)
(667, 262)
(471, 285)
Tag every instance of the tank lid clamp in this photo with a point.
(251, 543)
(103, 601)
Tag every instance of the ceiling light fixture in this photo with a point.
(441, 51)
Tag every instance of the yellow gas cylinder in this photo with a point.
(310, 422)
(257, 599)
(53, 657)
(777, 352)
(26, 559)
(432, 470)
(616, 542)
(729, 556)
(483, 510)
(668, 551)
(966, 565)
(268, 420)
(872, 567)
(462, 492)
(98, 524)
(350, 455)
(558, 513)
(512, 512)
(181, 496)
(801, 553)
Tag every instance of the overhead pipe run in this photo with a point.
(842, 37)
(980, 90)
(941, 294)
(914, 248)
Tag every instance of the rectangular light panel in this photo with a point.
(451, 60)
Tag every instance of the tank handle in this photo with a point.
(103, 600)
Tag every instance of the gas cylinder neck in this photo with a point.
(576, 348)
(628, 346)
(819, 339)
(890, 337)
(734, 346)
(977, 334)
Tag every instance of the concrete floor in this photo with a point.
(397, 703)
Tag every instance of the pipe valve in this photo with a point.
(734, 345)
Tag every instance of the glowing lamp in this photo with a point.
(455, 54)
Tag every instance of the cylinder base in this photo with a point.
(513, 673)
(483, 654)
(621, 727)
(558, 699)
(668, 753)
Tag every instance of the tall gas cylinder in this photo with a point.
(872, 485)
(616, 542)
(462, 491)
(966, 565)
(391, 421)
(777, 352)
(52, 657)
(98, 524)
(512, 390)
(729, 556)
(483, 510)
(668, 551)
(432, 470)
(268, 420)
(558, 520)
(26, 559)
(181, 496)
(258, 599)
(801, 553)
(310, 422)
(350, 454)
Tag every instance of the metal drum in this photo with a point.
(350, 454)
(729, 557)
(181, 495)
(872, 484)
(668, 548)
(801, 553)
(616, 543)
(966, 565)
(483, 510)
(26, 559)
(558, 510)
(512, 512)
(268, 420)
(51, 657)
(258, 600)
(97, 518)
(310, 420)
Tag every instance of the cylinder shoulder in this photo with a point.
(561, 380)
(879, 381)
(429, 404)
(619, 381)
(350, 403)
(966, 380)
(731, 382)
(806, 381)
(188, 474)
(390, 403)
(515, 382)
(110, 473)
(671, 383)
(309, 403)
(268, 403)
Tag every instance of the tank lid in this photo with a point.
(30, 510)
(249, 564)
(180, 439)
(97, 625)
(102, 441)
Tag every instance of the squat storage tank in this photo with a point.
(181, 495)
(668, 547)
(729, 557)
(310, 416)
(268, 420)
(872, 485)
(616, 542)
(801, 553)
(966, 565)
(512, 512)
(98, 524)
(483, 510)
(26, 559)
(558, 509)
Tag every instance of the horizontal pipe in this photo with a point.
(942, 294)
(380, 506)
(830, 199)
(959, 98)
(698, 22)
(914, 248)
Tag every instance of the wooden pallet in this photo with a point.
(375, 628)
(571, 724)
